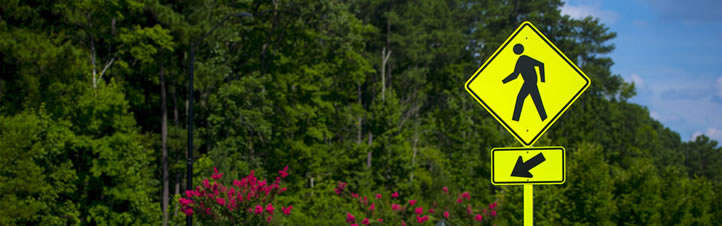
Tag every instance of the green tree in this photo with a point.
(37, 176)
(589, 190)
(703, 158)
(115, 182)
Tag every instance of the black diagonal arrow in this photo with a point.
(521, 169)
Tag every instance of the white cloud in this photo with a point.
(654, 115)
(636, 79)
(686, 104)
(719, 86)
(712, 133)
(583, 8)
(696, 134)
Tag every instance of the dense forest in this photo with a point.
(94, 99)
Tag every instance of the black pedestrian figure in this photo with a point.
(525, 67)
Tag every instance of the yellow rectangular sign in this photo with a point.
(533, 165)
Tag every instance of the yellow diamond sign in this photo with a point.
(527, 84)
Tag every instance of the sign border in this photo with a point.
(564, 164)
(553, 119)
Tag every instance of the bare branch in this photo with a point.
(106, 68)
(384, 59)
(92, 60)
(92, 55)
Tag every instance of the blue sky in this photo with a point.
(672, 51)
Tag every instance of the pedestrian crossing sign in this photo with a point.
(527, 84)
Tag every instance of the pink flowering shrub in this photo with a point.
(249, 201)
(456, 210)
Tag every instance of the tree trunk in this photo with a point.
(388, 47)
(368, 157)
(413, 157)
(177, 191)
(175, 107)
(360, 122)
(383, 72)
(384, 59)
(164, 149)
(177, 155)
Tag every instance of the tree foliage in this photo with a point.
(369, 92)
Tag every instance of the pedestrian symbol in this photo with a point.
(527, 84)
(525, 66)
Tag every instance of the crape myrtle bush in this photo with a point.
(389, 209)
(249, 201)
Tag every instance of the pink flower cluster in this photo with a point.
(339, 188)
(463, 196)
(249, 196)
(413, 212)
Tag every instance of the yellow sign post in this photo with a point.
(526, 85)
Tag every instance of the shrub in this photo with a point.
(249, 201)
(390, 209)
